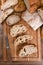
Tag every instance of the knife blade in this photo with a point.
(7, 43)
(7, 48)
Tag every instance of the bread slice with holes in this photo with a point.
(13, 19)
(17, 30)
(8, 3)
(4, 14)
(27, 50)
(22, 39)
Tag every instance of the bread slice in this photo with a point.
(22, 39)
(4, 14)
(17, 30)
(12, 19)
(27, 50)
(8, 3)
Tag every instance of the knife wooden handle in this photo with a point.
(8, 54)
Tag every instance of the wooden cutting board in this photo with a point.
(36, 40)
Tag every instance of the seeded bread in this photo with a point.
(4, 14)
(22, 39)
(8, 4)
(27, 50)
(17, 30)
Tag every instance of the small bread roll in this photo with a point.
(20, 7)
(12, 19)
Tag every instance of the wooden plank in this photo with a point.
(36, 40)
(7, 56)
(4, 45)
(42, 33)
(39, 46)
(42, 40)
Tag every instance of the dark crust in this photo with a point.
(41, 8)
(18, 5)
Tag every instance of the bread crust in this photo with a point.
(20, 7)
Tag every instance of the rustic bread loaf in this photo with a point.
(20, 7)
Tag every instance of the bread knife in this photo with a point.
(7, 48)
